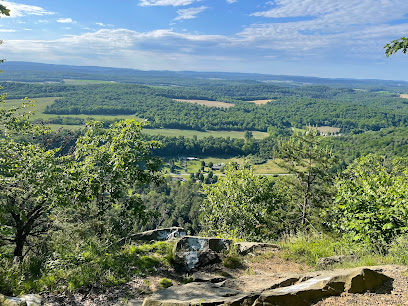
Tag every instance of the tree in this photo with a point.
(396, 45)
(109, 165)
(309, 163)
(97, 178)
(242, 205)
(32, 180)
(372, 199)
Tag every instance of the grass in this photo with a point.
(308, 248)
(207, 103)
(42, 103)
(328, 129)
(269, 167)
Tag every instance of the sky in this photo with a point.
(323, 38)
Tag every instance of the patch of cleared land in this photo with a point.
(200, 135)
(405, 96)
(207, 103)
(328, 129)
(261, 102)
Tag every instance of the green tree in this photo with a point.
(109, 164)
(241, 205)
(372, 199)
(396, 45)
(309, 186)
(32, 180)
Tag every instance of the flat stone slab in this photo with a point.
(297, 290)
(160, 234)
(200, 294)
(244, 248)
(319, 285)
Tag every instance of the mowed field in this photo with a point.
(405, 96)
(328, 129)
(261, 102)
(207, 103)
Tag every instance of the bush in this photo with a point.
(165, 283)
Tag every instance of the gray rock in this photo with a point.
(160, 234)
(193, 252)
(328, 261)
(243, 248)
(200, 294)
(324, 284)
(11, 301)
(205, 277)
(32, 299)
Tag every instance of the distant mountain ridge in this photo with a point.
(38, 72)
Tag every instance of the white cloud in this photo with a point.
(166, 2)
(231, 1)
(18, 10)
(7, 30)
(339, 12)
(189, 13)
(65, 20)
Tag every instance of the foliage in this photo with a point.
(396, 45)
(172, 204)
(82, 265)
(32, 181)
(241, 205)
(165, 283)
(309, 187)
(372, 201)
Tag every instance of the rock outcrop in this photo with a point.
(160, 234)
(193, 252)
(293, 290)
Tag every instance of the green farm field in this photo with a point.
(41, 104)
(270, 167)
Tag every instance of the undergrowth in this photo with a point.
(308, 248)
(90, 268)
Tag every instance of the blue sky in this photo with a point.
(326, 38)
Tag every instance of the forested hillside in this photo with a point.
(348, 109)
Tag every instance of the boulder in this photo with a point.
(315, 287)
(160, 234)
(243, 248)
(12, 301)
(200, 294)
(193, 252)
(32, 299)
(22, 300)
